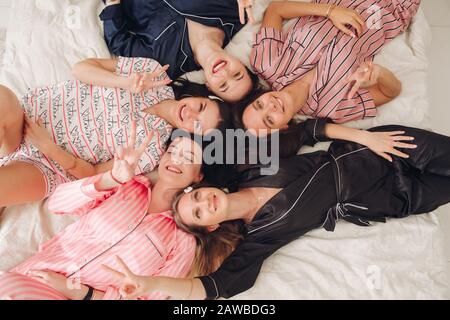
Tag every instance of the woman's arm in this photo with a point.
(387, 88)
(382, 143)
(101, 72)
(237, 273)
(278, 11)
(134, 286)
(66, 286)
(189, 289)
(167, 281)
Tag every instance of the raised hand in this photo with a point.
(144, 81)
(386, 143)
(246, 7)
(132, 286)
(344, 17)
(365, 76)
(126, 159)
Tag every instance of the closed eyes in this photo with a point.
(197, 214)
(257, 105)
(196, 195)
(239, 76)
(223, 87)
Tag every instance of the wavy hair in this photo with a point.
(212, 247)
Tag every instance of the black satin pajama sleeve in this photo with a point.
(314, 130)
(240, 270)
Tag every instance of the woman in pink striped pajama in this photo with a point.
(83, 121)
(321, 67)
(120, 214)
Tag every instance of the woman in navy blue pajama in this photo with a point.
(159, 29)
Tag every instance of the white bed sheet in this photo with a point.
(403, 259)
(2, 44)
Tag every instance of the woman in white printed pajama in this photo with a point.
(81, 123)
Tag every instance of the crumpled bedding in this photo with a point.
(402, 259)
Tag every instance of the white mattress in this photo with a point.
(402, 259)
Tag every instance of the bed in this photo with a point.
(403, 259)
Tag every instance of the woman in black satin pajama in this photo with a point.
(309, 191)
(348, 182)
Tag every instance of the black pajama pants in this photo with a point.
(377, 189)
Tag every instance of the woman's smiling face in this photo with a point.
(227, 77)
(271, 111)
(196, 114)
(203, 207)
(182, 163)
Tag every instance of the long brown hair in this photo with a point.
(212, 247)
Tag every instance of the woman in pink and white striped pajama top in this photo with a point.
(324, 47)
(131, 220)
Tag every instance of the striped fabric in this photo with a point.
(90, 122)
(111, 223)
(14, 286)
(314, 42)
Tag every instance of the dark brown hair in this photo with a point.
(183, 88)
(291, 138)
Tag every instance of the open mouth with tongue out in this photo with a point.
(219, 65)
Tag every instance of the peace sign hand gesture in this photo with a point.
(127, 159)
(365, 76)
(132, 286)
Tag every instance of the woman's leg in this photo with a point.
(14, 286)
(428, 192)
(11, 122)
(21, 182)
(432, 154)
(429, 170)
(424, 178)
